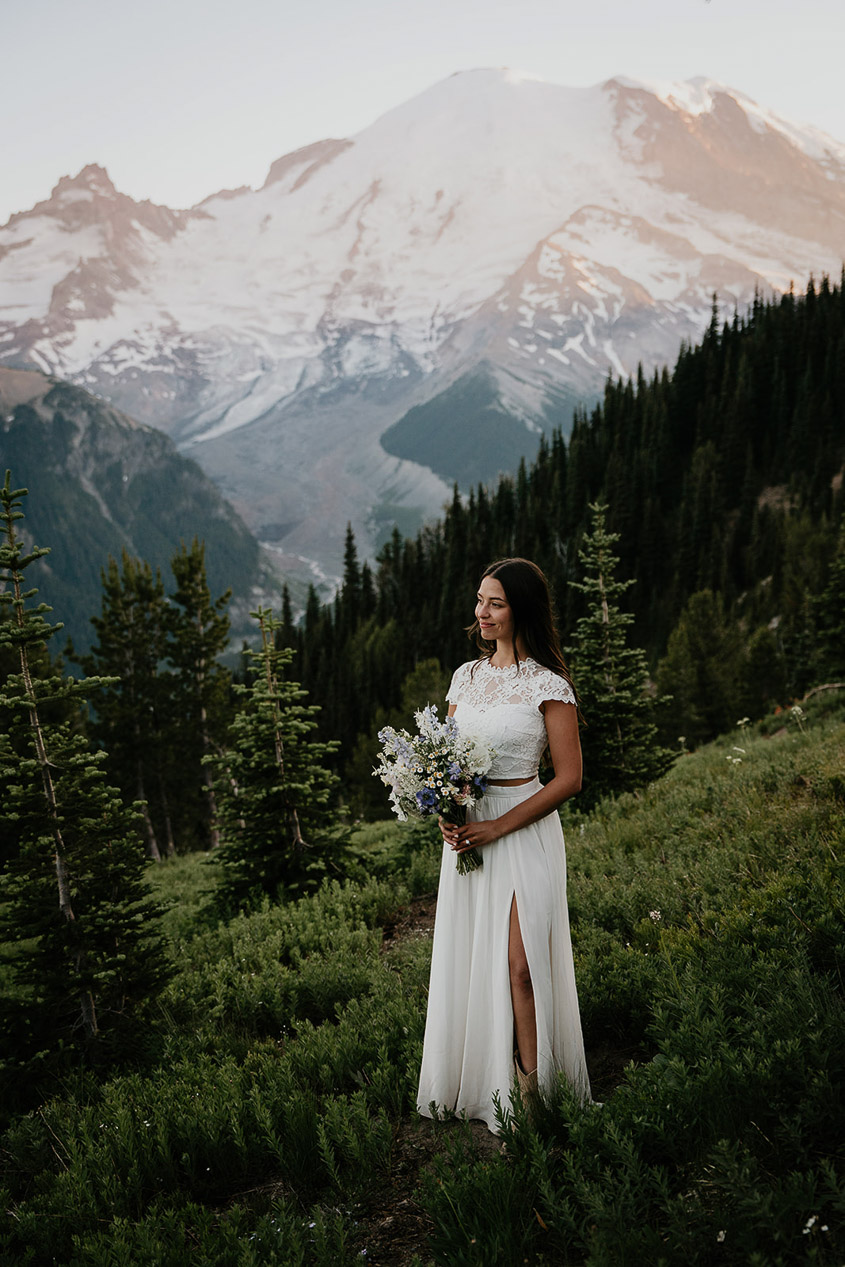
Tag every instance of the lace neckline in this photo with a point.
(503, 668)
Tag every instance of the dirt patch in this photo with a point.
(416, 919)
(392, 1228)
(606, 1066)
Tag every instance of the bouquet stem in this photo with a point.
(471, 860)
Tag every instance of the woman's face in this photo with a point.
(493, 612)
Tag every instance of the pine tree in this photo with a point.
(273, 786)
(830, 619)
(621, 750)
(134, 709)
(74, 897)
(702, 672)
(197, 633)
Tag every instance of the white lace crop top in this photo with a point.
(503, 705)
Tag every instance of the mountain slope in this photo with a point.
(98, 483)
(556, 234)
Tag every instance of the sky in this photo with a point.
(181, 98)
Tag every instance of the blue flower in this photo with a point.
(426, 798)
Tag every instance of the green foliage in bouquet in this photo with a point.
(279, 830)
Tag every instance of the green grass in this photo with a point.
(184, 886)
(709, 929)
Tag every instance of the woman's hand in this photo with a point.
(470, 835)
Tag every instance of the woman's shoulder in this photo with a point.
(548, 684)
(459, 679)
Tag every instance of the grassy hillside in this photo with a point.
(270, 1120)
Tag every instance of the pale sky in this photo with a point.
(180, 98)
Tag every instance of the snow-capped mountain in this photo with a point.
(550, 235)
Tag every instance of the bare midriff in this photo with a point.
(510, 782)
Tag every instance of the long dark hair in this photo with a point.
(527, 592)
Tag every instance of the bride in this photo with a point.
(502, 997)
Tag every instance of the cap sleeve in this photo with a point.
(552, 686)
(457, 684)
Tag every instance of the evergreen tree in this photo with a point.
(197, 633)
(56, 707)
(702, 672)
(133, 710)
(830, 619)
(762, 674)
(273, 786)
(74, 900)
(621, 750)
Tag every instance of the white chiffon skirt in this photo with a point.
(469, 1039)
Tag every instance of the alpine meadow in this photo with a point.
(215, 948)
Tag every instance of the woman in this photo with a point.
(502, 996)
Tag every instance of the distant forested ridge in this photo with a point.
(723, 476)
(101, 484)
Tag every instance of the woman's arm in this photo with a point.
(565, 748)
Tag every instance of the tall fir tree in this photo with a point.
(830, 618)
(133, 713)
(197, 633)
(74, 900)
(701, 672)
(273, 785)
(620, 744)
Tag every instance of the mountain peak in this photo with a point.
(92, 177)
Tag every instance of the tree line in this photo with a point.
(723, 485)
(155, 745)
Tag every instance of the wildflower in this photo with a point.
(721, 1236)
(654, 916)
(743, 722)
(798, 715)
(742, 750)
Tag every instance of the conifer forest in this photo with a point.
(214, 946)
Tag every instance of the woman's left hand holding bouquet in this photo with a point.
(466, 836)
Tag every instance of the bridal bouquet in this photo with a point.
(436, 771)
